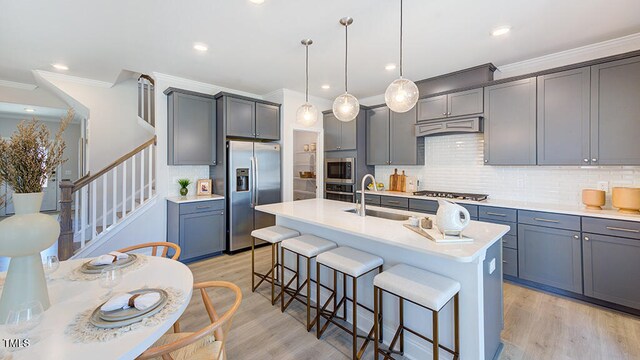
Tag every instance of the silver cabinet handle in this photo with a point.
(546, 220)
(623, 229)
(504, 261)
(496, 214)
(485, 160)
(586, 238)
(594, 160)
(576, 236)
(393, 202)
(449, 113)
(586, 160)
(202, 207)
(444, 114)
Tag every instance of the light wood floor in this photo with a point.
(537, 325)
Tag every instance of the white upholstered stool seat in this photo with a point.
(350, 261)
(308, 245)
(419, 286)
(274, 234)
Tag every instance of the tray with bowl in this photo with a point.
(124, 317)
(87, 268)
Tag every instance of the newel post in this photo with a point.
(65, 240)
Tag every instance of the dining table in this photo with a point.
(70, 297)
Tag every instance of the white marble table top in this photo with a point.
(69, 298)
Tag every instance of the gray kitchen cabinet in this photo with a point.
(510, 123)
(451, 105)
(550, 256)
(563, 118)
(373, 200)
(615, 127)
(191, 132)
(197, 227)
(395, 202)
(339, 135)
(510, 261)
(611, 269)
(240, 117)
(267, 121)
(390, 138)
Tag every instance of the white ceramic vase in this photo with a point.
(22, 237)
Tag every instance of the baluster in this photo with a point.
(133, 182)
(124, 189)
(114, 200)
(84, 215)
(142, 176)
(94, 195)
(76, 213)
(104, 201)
(140, 98)
(150, 170)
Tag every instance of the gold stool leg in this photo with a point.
(456, 326)
(401, 302)
(319, 306)
(273, 273)
(376, 325)
(308, 294)
(435, 335)
(253, 266)
(381, 312)
(282, 280)
(355, 318)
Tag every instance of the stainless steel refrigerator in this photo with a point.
(254, 178)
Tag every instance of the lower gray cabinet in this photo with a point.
(550, 256)
(612, 269)
(510, 262)
(197, 227)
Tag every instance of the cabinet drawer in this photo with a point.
(560, 221)
(496, 213)
(472, 209)
(629, 229)
(201, 206)
(396, 202)
(369, 199)
(510, 241)
(510, 262)
(425, 206)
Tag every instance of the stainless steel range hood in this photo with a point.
(450, 126)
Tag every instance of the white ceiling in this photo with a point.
(256, 48)
(40, 112)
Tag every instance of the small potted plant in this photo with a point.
(183, 186)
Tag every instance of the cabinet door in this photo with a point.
(563, 117)
(432, 108)
(403, 146)
(201, 234)
(332, 132)
(267, 121)
(192, 130)
(615, 109)
(465, 103)
(348, 134)
(510, 123)
(550, 256)
(241, 117)
(612, 269)
(378, 136)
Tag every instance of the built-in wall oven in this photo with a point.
(340, 192)
(342, 170)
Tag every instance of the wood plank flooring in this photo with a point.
(537, 325)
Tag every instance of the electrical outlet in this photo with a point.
(603, 185)
(492, 266)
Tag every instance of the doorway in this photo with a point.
(305, 164)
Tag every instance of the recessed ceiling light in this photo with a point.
(29, 110)
(257, 2)
(60, 66)
(326, 86)
(200, 47)
(390, 67)
(502, 30)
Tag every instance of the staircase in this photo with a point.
(92, 207)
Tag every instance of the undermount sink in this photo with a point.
(381, 214)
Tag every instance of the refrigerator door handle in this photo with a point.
(252, 181)
(257, 179)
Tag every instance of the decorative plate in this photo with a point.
(87, 268)
(97, 321)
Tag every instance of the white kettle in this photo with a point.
(451, 218)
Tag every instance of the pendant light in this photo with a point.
(402, 94)
(346, 107)
(307, 114)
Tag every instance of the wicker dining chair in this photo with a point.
(207, 343)
(165, 246)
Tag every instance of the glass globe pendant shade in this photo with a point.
(307, 114)
(401, 95)
(346, 107)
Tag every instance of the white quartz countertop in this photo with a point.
(193, 198)
(525, 205)
(331, 214)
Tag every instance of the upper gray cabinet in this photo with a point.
(510, 123)
(248, 118)
(339, 135)
(615, 113)
(191, 128)
(563, 118)
(451, 105)
(391, 138)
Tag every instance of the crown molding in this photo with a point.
(583, 53)
(197, 86)
(73, 79)
(17, 85)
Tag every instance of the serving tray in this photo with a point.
(436, 236)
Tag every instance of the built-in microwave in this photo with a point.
(341, 170)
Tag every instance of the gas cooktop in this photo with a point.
(452, 195)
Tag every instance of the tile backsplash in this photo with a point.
(185, 172)
(455, 163)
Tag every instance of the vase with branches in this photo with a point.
(183, 186)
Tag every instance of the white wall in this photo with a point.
(36, 97)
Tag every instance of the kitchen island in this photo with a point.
(477, 266)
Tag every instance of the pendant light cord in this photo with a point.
(346, 55)
(400, 38)
(307, 74)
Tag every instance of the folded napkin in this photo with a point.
(109, 258)
(125, 301)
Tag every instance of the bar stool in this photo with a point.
(425, 289)
(274, 235)
(355, 264)
(307, 246)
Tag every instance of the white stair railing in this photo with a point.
(146, 102)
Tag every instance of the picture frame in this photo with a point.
(204, 187)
